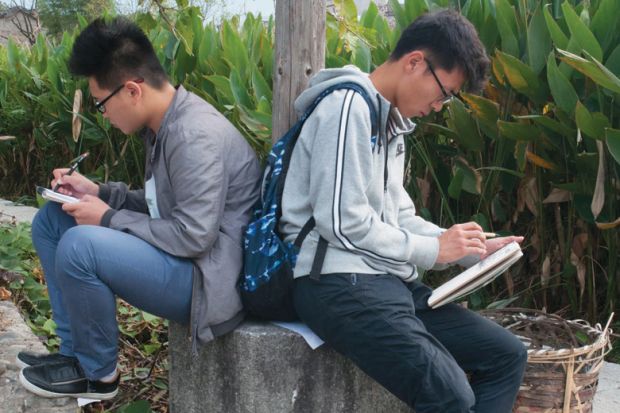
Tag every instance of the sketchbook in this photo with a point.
(476, 276)
(56, 196)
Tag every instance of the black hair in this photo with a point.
(114, 52)
(449, 41)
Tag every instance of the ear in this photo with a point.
(412, 60)
(134, 89)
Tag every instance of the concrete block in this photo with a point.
(263, 368)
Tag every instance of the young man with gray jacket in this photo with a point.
(368, 304)
(173, 249)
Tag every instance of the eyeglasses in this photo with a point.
(447, 98)
(100, 106)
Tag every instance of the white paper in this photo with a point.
(55, 196)
(84, 402)
(303, 330)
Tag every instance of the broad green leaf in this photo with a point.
(538, 41)
(414, 9)
(222, 86)
(361, 55)
(582, 34)
(472, 181)
(185, 31)
(518, 131)
(593, 69)
(592, 124)
(612, 137)
(346, 9)
(464, 125)
(260, 86)
(486, 112)
(13, 56)
(520, 155)
(605, 22)
(399, 15)
(234, 50)
(613, 62)
(369, 16)
(522, 77)
(551, 124)
(507, 25)
(562, 90)
(239, 89)
(559, 37)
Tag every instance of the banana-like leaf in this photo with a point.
(592, 124)
(260, 86)
(592, 69)
(465, 127)
(538, 41)
(553, 125)
(239, 89)
(507, 25)
(560, 39)
(234, 51)
(612, 137)
(518, 131)
(486, 112)
(606, 22)
(522, 77)
(562, 90)
(581, 32)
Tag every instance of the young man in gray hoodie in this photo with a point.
(173, 249)
(367, 303)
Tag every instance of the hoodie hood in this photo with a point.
(392, 121)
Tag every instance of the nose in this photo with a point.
(437, 106)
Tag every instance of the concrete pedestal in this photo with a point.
(262, 368)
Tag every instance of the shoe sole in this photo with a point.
(20, 363)
(51, 395)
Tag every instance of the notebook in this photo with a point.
(56, 196)
(476, 276)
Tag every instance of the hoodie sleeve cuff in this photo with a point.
(104, 192)
(425, 251)
(107, 217)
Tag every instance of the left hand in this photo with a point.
(494, 244)
(88, 211)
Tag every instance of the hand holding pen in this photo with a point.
(69, 182)
(76, 163)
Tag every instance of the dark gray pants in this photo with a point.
(420, 355)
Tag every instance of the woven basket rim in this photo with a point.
(601, 342)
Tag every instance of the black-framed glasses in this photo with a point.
(100, 106)
(447, 97)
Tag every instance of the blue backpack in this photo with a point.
(267, 281)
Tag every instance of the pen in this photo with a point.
(73, 167)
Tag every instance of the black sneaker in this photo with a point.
(27, 359)
(65, 379)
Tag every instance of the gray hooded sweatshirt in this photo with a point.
(337, 176)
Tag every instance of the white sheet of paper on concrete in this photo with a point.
(303, 330)
(84, 402)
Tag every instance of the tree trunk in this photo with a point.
(300, 53)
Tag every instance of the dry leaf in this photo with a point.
(510, 284)
(538, 161)
(546, 270)
(581, 272)
(529, 195)
(76, 125)
(7, 138)
(425, 190)
(598, 200)
(580, 243)
(608, 225)
(4, 294)
(558, 195)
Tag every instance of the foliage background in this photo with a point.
(537, 154)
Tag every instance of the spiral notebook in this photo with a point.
(476, 276)
(56, 196)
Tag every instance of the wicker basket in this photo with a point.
(564, 359)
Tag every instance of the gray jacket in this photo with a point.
(207, 178)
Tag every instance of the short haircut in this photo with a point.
(449, 41)
(114, 52)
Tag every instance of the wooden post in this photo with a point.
(300, 53)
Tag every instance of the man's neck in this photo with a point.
(159, 105)
(383, 78)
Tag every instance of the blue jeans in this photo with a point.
(86, 267)
(420, 355)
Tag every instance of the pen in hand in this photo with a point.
(73, 167)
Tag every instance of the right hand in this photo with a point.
(459, 241)
(75, 185)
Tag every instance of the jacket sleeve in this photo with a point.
(119, 196)
(341, 172)
(199, 180)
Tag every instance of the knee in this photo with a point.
(46, 214)
(75, 251)
(513, 354)
(464, 399)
